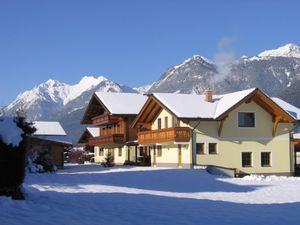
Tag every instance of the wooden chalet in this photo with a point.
(112, 114)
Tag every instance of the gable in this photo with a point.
(264, 102)
(94, 108)
(150, 111)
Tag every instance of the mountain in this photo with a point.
(273, 71)
(62, 102)
(143, 89)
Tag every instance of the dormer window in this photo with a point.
(246, 119)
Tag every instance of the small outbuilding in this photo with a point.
(51, 137)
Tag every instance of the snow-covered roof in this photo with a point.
(184, 105)
(122, 103)
(10, 133)
(296, 133)
(94, 131)
(292, 110)
(55, 138)
(48, 128)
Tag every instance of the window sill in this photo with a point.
(267, 166)
(247, 166)
(213, 153)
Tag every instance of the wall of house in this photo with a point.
(169, 157)
(235, 140)
(119, 160)
(57, 155)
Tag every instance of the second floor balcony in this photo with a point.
(174, 134)
(108, 140)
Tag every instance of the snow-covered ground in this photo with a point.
(89, 194)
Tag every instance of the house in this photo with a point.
(89, 132)
(245, 130)
(50, 136)
(113, 114)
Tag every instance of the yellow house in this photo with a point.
(112, 115)
(246, 131)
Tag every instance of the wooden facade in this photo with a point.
(114, 130)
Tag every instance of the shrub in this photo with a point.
(108, 160)
(12, 160)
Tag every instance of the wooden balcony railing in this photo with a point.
(174, 134)
(107, 139)
(104, 120)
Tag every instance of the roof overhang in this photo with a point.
(150, 110)
(263, 101)
(94, 108)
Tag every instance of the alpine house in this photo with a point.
(245, 131)
(113, 114)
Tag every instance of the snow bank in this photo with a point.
(10, 133)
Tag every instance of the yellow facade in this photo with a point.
(120, 154)
(234, 140)
(170, 155)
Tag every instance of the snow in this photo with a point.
(288, 50)
(48, 128)
(187, 105)
(122, 103)
(194, 106)
(292, 110)
(94, 131)
(58, 92)
(90, 194)
(143, 89)
(10, 133)
(63, 139)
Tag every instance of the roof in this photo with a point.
(48, 128)
(292, 110)
(62, 139)
(122, 103)
(184, 105)
(192, 106)
(94, 131)
(296, 134)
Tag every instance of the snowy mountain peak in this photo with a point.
(91, 80)
(288, 50)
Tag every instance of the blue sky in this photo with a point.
(131, 42)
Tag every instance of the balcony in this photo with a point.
(174, 134)
(104, 120)
(108, 140)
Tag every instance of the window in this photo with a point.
(246, 119)
(174, 122)
(199, 148)
(101, 152)
(212, 148)
(265, 159)
(119, 152)
(141, 151)
(166, 122)
(159, 151)
(159, 123)
(246, 159)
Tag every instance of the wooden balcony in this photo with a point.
(108, 140)
(104, 120)
(174, 134)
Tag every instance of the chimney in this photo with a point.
(208, 95)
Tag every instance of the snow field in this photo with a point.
(89, 194)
